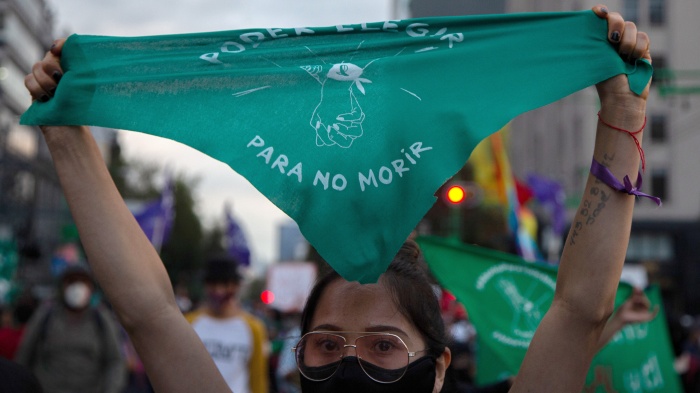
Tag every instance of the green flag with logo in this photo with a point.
(506, 299)
(348, 129)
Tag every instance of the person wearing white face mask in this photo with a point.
(77, 295)
(72, 345)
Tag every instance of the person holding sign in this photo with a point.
(348, 319)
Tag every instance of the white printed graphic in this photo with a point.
(647, 378)
(527, 292)
(526, 313)
(338, 117)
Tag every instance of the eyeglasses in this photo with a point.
(384, 357)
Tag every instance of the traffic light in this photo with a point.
(455, 194)
(267, 297)
(461, 194)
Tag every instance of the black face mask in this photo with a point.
(349, 378)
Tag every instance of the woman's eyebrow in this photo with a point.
(386, 329)
(372, 329)
(326, 327)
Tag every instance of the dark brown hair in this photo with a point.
(407, 280)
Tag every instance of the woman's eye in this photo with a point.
(329, 346)
(383, 346)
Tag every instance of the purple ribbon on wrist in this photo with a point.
(604, 175)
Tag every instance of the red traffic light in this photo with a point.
(455, 194)
(461, 194)
(267, 297)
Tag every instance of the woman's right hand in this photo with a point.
(46, 74)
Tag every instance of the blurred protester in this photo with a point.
(286, 373)
(462, 338)
(182, 298)
(14, 320)
(635, 309)
(688, 363)
(5, 316)
(17, 378)
(235, 339)
(72, 345)
(8, 334)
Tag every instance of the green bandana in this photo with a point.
(348, 129)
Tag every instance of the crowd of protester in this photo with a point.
(72, 340)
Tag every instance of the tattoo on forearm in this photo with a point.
(595, 191)
(592, 204)
(577, 227)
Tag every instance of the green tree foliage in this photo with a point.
(118, 166)
(134, 179)
(213, 243)
(183, 254)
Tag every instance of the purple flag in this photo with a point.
(550, 194)
(156, 217)
(236, 244)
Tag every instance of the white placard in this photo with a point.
(291, 283)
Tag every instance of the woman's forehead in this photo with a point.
(341, 294)
(350, 306)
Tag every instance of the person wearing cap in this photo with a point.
(71, 344)
(235, 339)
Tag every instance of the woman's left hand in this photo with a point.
(631, 44)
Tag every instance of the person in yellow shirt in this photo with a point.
(235, 339)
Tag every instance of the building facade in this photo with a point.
(32, 208)
(292, 244)
(557, 140)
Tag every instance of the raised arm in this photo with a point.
(122, 259)
(567, 338)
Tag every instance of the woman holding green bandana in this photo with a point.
(385, 336)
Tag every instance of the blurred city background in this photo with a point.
(532, 170)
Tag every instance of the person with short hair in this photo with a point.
(235, 339)
(71, 344)
(15, 320)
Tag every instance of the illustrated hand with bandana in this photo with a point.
(334, 122)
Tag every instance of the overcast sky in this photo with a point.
(219, 183)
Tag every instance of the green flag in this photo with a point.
(348, 129)
(506, 299)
